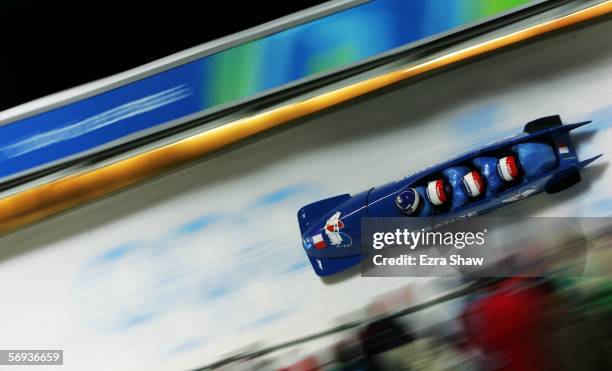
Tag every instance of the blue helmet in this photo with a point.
(408, 201)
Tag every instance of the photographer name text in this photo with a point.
(425, 260)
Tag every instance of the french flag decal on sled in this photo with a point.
(318, 242)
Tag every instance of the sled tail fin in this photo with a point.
(586, 162)
(564, 147)
(570, 127)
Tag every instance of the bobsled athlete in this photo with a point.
(508, 169)
(439, 192)
(472, 184)
(409, 202)
(413, 202)
(420, 201)
(498, 173)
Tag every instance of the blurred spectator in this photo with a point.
(350, 356)
(382, 336)
(507, 323)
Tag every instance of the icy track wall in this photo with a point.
(180, 271)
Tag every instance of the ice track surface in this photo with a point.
(177, 272)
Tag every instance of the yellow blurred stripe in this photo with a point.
(45, 200)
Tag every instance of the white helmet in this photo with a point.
(472, 184)
(438, 191)
(507, 168)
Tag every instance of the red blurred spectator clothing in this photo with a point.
(307, 364)
(508, 325)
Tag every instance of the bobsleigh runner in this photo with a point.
(541, 158)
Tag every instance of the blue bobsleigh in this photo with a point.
(541, 158)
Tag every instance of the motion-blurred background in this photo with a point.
(52, 46)
(206, 262)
